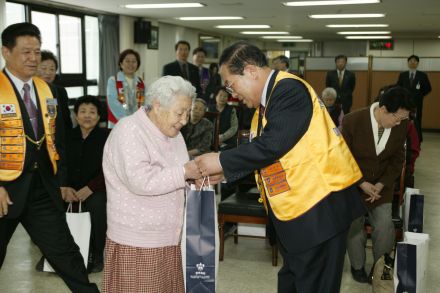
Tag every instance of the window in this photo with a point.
(70, 44)
(92, 48)
(47, 23)
(14, 13)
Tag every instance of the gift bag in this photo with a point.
(413, 210)
(200, 241)
(411, 263)
(80, 227)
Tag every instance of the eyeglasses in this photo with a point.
(229, 88)
(399, 118)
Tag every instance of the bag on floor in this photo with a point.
(383, 275)
(200, 241)
(80, 227)
(411, 263)
(413, 210)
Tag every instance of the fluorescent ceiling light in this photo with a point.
(263, 33)
(365, 33)
(295, 41)
(242, 26)
(332, 2)
(282, 37)
(210, 18)
(356, 25)
(370, 15)
(367, 37)
(164, 5)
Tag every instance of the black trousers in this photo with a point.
(316, 270)
(47, 227)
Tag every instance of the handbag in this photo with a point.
(80, 228)
(413, 210)
(200, 241)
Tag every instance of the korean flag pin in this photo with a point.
(7, 109)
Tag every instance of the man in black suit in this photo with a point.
(32, 159)
(418, 84)
(310, 203)
(343, 81)
(182, 68)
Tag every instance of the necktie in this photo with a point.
(380, 133)
(340, 77)
(31, 108)
(184, 71)
(411, 78)
(260, 118)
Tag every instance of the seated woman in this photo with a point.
(198, 132)
(126, 90)
(228, 119)
(146, 167)
(334, 109)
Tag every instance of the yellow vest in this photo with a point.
(320, 163)
(12, 134)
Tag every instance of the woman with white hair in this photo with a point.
(146, 167)
(334, 108)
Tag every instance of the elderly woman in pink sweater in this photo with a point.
(146, 167)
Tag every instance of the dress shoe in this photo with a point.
(359, 275)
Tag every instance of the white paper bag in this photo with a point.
(80, 228)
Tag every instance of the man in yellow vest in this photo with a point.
(305, 172)
(31, 145)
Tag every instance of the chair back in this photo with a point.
(214, 117)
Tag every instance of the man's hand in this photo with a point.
(5, 201)
(191, 170)
(68, 194)
(371, 191)
(209, 164)
(84, 193)
(213, 179)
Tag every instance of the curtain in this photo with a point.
(108, 49)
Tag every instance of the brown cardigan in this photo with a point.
(385, 167)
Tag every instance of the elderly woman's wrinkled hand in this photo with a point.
(192, 171)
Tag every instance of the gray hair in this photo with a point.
(329, 91)
(166, 89)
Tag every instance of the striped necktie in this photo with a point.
(31, 108)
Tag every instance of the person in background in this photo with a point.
(181, 67)
(215, 81)
(418, 84)
(376, 137)
(228, 120)
(199, 131)
(281, 63)
(47, 70)
(343, 81)
(146, 167)
(125, 90)
(334, 109)
(199, 55)
(310, 203)
(33, 176)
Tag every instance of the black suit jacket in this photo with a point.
(20, 188)
(174, 69)
(420, 86)
(345, 91)
(288, 117)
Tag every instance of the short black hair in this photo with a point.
(129, 52)
(341, 57)
(240, 54)
(48, 55)
(395, 98)
(182, 42)
(212, 66)
(413, 57)
(199, 49)
(12, 32)
(283, 59)
(88, 100)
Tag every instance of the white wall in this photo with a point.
(348, 48)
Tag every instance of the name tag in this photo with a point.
(12, 157)
(10, 166)
(11, 132)
(274, 177)
(12, 149)
(13, 123)
(11, 140)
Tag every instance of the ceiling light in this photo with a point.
(281, 37)
(367, 37)
(356, 25)
(242, 26)
(295, 41)
(370, 15)
(210, 18)
(332, 2)
(263, 33)
(365, 33)
(164, 5)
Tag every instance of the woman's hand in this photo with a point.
(192, 171)
(371, 191)
(68, 194)
(84, 193)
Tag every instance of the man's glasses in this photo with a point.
(229, 88)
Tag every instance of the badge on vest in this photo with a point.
(8, 110)
(51, 107)
(274, 177)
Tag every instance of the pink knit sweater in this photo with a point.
(145, 183)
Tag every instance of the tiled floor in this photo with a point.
(247, 265)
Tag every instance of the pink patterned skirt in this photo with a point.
(129, 269)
